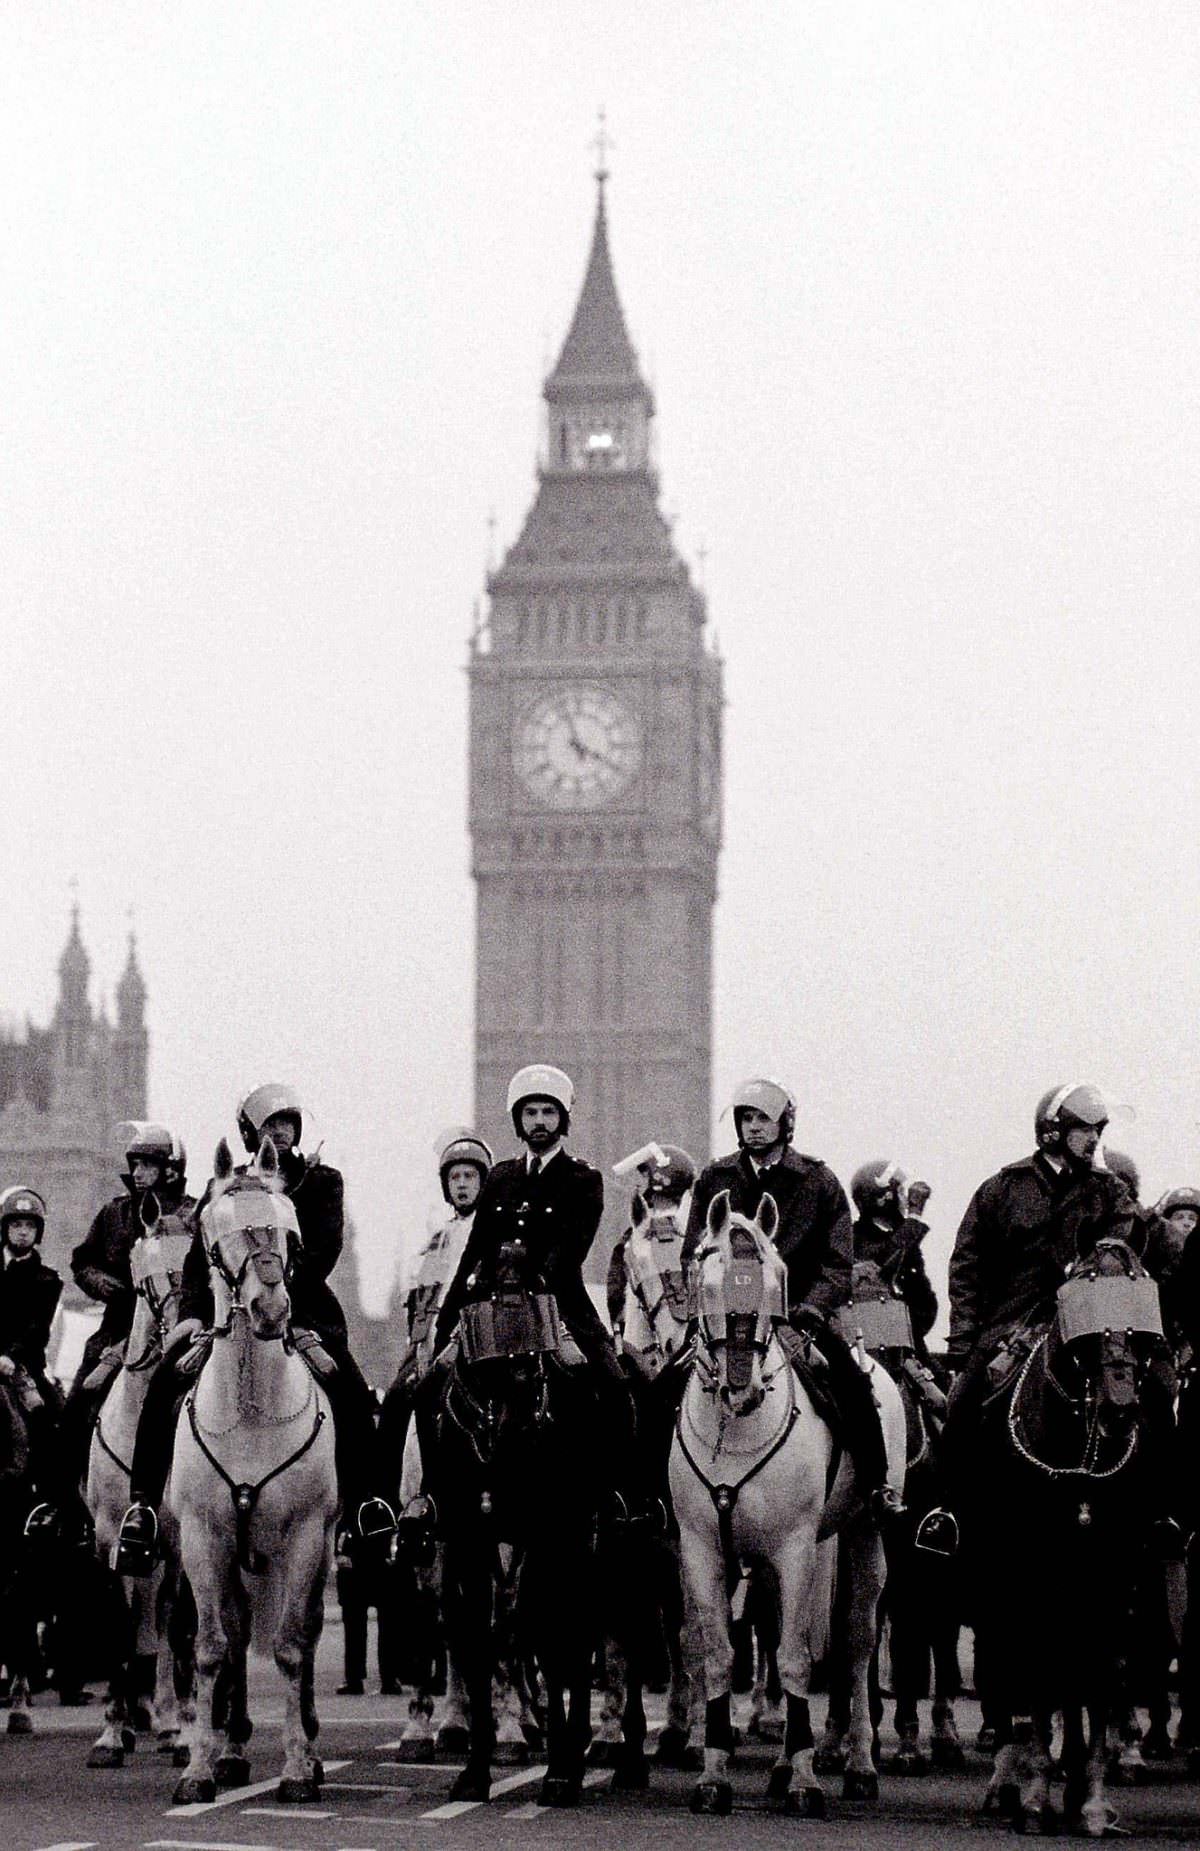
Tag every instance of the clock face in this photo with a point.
(578, 748)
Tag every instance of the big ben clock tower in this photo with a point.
(595, 791)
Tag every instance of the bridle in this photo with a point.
(255, 1247)
(148, 1286)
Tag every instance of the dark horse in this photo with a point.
(1070, 1449)
(509, 1441)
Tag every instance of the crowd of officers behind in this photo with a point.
(1021, 1230)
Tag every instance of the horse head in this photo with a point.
(245, 1224)
(742, 1291)
(656, 1332)
(1108, 1323)
(156, 1268)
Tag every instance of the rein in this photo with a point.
(1088, 1468)
(116, 1458)
(245, 1496)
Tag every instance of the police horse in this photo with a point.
(754, 1475)
(253, 1490)
(920, 1606)
(1055, 1531)
(509, 1442)
(656, 1350)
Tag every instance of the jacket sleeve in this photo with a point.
(29, 1347)
(702, 1194)
(195, 1297)
(614, 1290)
(591, 1211)
(90, 1265)
(326, 1219)
(913, 1282)
(965, 1279)
(832, 1236)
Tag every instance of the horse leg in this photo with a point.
(607, 1735)
(704, 1569)
(295, 1643)
(117, 1738)
(181, 1640)
(946, 1748)
(865, 1568)
(1035, 1815)
(672, 1748)
(470, 1620)
(766, 1722)
(199, 1783)
(793, 1778)
(453, 1734)
(1098, 1816)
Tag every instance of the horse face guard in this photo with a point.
(654, 1274)
(1109, 1322)
(156, 1264)
(742, 1289)
(245, 1227)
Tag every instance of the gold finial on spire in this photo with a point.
(602, 145)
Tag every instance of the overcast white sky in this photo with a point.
(916, 287)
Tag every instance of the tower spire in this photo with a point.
(601, 145)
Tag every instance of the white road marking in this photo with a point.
(204, 1844)
(236, 1796)
(363, 1786)
(454, 1808)
(420, 1767)
(282, 1812)
(451, 1809)
(89, 1845)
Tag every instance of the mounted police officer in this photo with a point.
(814, 1241)
(464, 1165)
(888, 1233)
(547, 1205)
(666, 1174)
(319, 1332)
(1022, 1229)
(29, 1294)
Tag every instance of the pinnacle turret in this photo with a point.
(131, 990)
(74, 969)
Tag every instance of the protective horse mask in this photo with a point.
(743, 1285)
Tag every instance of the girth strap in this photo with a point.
(245, 1497)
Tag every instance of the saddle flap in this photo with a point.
(510, 1324)
(881, 1323)
(1088, 1307)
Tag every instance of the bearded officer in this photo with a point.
(464, 1165)
(316, 1192)
(551, 1203)
(1022, 1229)
(814, 1241)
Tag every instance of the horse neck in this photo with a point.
(247, 1377)
(123, 1403)
(640, 1333)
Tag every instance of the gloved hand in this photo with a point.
(186, 1331)
(808, 1317)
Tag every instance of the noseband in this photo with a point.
(263, 1259)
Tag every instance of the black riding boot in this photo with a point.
(955, 1451)
(861, 1433)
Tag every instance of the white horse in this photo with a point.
(750, 1479)
(147, 1639)
(253, 1489)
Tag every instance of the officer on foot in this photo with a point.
(1022, 1227)
(814, 1241)
(550, 1204)
(464, 1164)
(319, 1331)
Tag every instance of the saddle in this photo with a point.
(812, 1374)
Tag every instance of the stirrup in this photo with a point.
(937, 1533)
(136, 1548)
(42, 1523)
(414, 1538)
(375, 1518)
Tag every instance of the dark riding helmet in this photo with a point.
(151, 1142)
(879, 1184)
(1184, 1197)
(1122, 1165)
(1064, 1109)
(20, 1203)
(765, 1096)
(462, 1145)
(265, 1102)
(541, 1082)
(672, 1177)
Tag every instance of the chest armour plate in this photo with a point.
(509, 1324)
(1088, 1307)
(883, 1323)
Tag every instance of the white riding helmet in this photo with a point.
(263, 1103)
(540, 1082)
(767, 1096)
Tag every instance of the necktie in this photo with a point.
(535, 1167)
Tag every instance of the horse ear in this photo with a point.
(151, 1212)
(718, 1213)
(768, 1216)
(223, 1162)
(268, 1159)
(641, 1214)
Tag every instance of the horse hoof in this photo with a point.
(470, 1784)
(863, 1787)
(20, 1722)
(631, 1774)
(194, 1791)
(1036, 1821)
(829, 1761)
(947, 1757)
(671, 1748)
(779, 1781)
(232, 1771)
(106, 1757)
(713, 1798)
(805, 1803)
(602, 1754)
(181, 1755)
(908, 1763)
(560, 1790)
(317, 1770)
(1156, 1746)
(416, 1748)
(293, 1792)
(128, 1739)
(1002, 1802)
(452, 1739)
